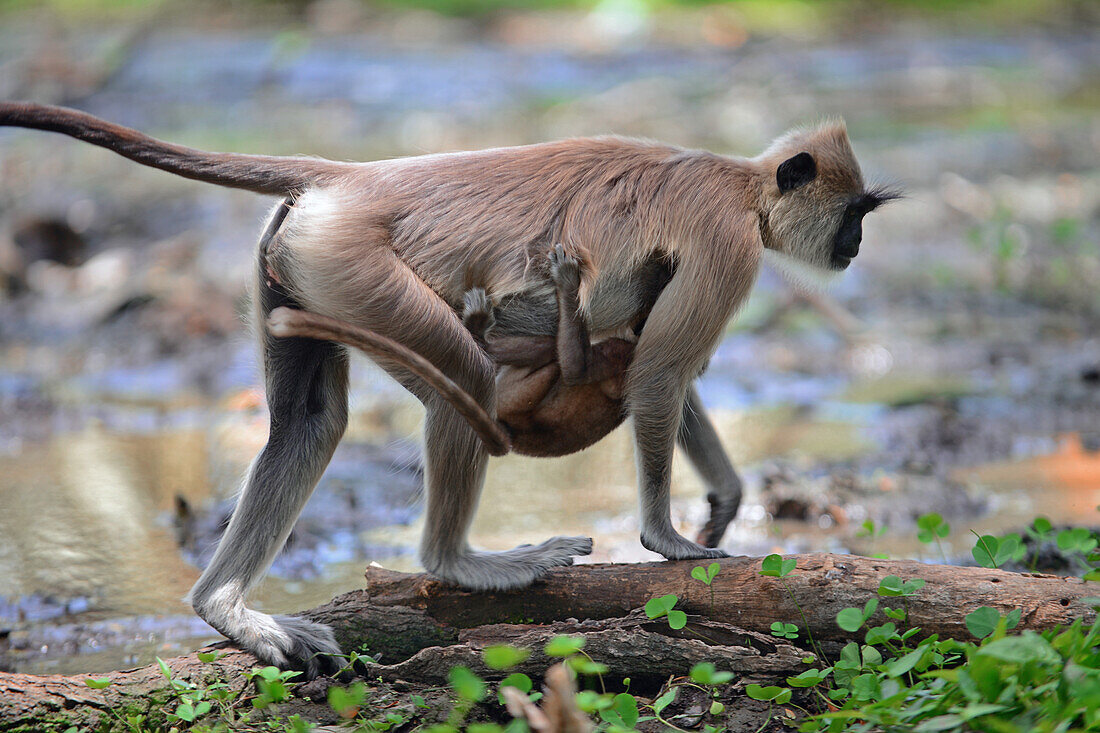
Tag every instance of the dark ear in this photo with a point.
(795, 172)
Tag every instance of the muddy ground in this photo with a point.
(954, 368)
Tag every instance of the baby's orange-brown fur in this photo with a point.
(558, 395)
(546, 417)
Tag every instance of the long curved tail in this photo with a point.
(259, 173)
(283, 322)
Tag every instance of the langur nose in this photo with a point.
(849, 248)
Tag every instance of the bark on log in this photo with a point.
(422, 627)
(822, 584)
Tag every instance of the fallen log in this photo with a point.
(421, 627)
(821, 584)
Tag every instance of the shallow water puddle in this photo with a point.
(593, 492)
(81, 518)
(1063, 486)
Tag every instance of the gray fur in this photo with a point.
(699, 440)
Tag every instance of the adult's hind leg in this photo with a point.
(700, 441)
(307, 398)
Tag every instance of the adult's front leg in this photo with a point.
(682, 331)
(658, 383)
(657, 412)
(699, 440)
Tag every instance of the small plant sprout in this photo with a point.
(894, 587)
(662, 702)
(622, 713)
(522, 683)
(779, 695)
(563, 646)
(983, 621)
(468, 690)
(993, 552)
(809, 678)
(707, 675)
(347, 701)
(664, 607)
(467, 685)
(1078, 540)
(931, 528)
(870, 530)
(503, 656)
(852, 619)
(772, 694)
(775, 566)
(783, 630)
(273, 685)
(706, 575)
(571, 650)
(1040, 531)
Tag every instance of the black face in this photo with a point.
(850, 233)
(848, 237)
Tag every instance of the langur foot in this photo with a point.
(722, 512)
(287, 642)
(311, 648)
(516, 568)
(675, 547)
(290, 642)
(565, 269)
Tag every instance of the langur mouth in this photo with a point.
(840, 262)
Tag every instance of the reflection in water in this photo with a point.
(80, 519)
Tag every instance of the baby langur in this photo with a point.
(393, 245)
(555, 395)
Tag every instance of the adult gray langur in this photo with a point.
(394, 246)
